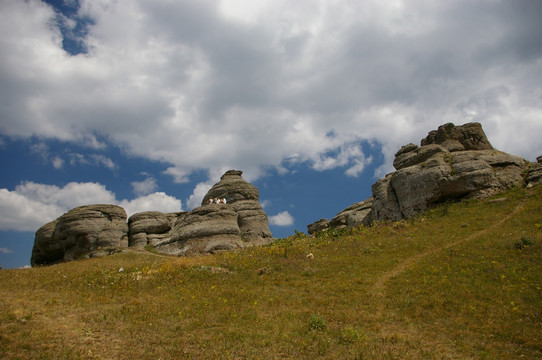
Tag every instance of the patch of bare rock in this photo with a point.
(98, 230)
(451, 163)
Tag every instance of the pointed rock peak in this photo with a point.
(233, 188)
(231, 173)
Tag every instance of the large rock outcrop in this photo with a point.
(452, 163)
(95, 230)
(80, 232)
(212, 227)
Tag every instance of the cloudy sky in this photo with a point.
(147, 103)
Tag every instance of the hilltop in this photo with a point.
(461, 281)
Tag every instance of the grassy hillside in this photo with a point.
(463, 281)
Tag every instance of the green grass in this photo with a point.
(463, 281)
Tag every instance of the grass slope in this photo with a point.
(463, 281)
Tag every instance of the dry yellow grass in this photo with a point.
(464, 281)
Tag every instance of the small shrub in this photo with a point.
(523, 242)
(317, 323)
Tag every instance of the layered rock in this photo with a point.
(238, 223)
(46, 250)
(354, 215)
(97, 230)
(534, 173)
(151, 228)
(452, 163)
(79, 233)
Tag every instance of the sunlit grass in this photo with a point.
(460, 282)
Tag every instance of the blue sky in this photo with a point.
(146, 104)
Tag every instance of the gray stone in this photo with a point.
(151, 227)
(453, 163)
(406, 149)
(46, 250)
(317, 226)
(99, 230)
(215, 227)
(417, 156)
(80, 232)
(385, 203)
(470, 136)
(233, 188)
(534, 174)
(252, 221)
(355, 215)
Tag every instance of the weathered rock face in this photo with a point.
(46, 250)
(534, 173)
(96, 230)
(319, 225)
(470, 136)
(151, 228)
(453, 162)
(233, 188)
(354, 215)
(80, 232)
(213, 227)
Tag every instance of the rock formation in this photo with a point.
(151, 228)
(80, 232)
(238, 223)
(96, 230)
(452, 163)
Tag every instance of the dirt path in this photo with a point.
(379, 288)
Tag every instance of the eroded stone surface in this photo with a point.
(453, 162)
(79, 232)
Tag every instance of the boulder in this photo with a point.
(469, 136)
(452, 163)
(98, 230)
(417, 155)
(233, 188)
(355, 215)
(534, 173)
(46, 250)
(204, 229)
(385, 204)
(317, 226)
(80, 232)
(212, 227)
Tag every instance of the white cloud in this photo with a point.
(92, 159)
(32, 205)
(179, 176)
(281, 219)
(203, 85)
(103, 160)
(198, 194)
(58, 162)
(6, 251)
(144, 187)
(157, 201)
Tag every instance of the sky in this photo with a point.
(146, 103)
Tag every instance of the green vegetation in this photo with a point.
(463, 281)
